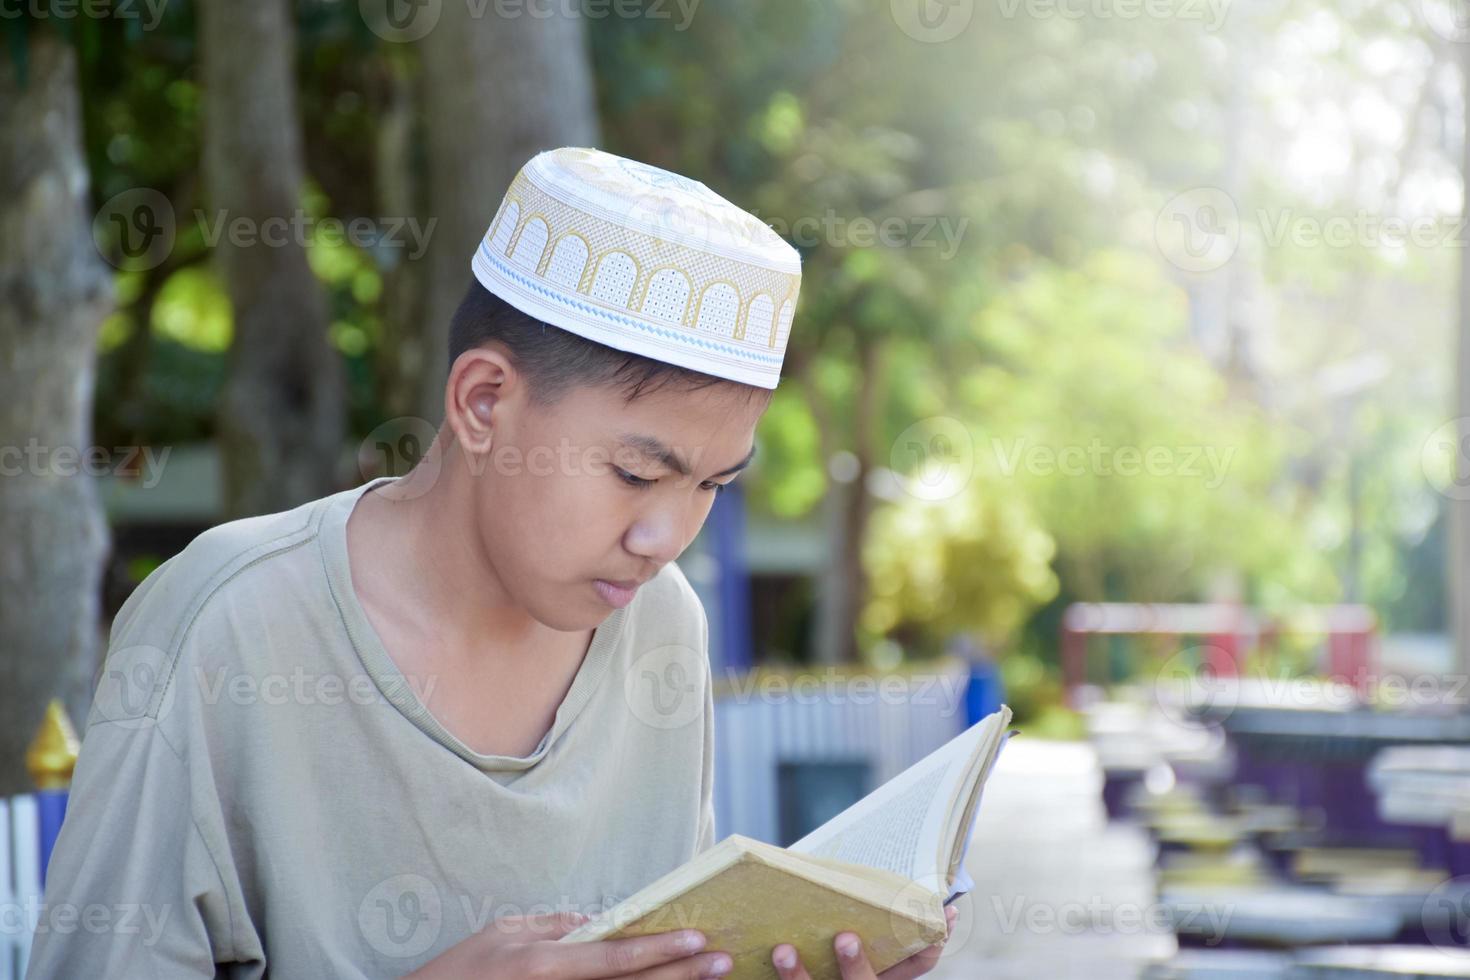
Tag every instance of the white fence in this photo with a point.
(20, 882)
(754, 734)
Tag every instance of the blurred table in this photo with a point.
(1362, 963)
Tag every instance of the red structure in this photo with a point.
(1229, 635)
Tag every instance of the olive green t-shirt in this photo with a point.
(261, 792)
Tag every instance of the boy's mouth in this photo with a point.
(616, 595)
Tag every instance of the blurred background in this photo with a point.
(1128, 386)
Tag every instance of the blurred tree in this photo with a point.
(976, 563)
(1129, 444)
(281, 420)
(496, 90)
(54, 292)
(1459, 505)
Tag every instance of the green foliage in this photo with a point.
(1151, 474)
(976, 563)
(192, 310)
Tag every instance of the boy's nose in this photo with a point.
(660, 537)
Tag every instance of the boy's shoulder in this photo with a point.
(196, 600)
(182, 586)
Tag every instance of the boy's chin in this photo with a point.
(583, 610)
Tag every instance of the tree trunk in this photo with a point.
(399, 362)
(1459, 508)
(282, 416)
(54, 292)
(844, 588)
(496, 91)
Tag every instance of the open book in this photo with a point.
(884, 868)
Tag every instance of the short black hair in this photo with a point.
(555, 361)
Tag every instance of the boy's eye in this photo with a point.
(639, 483)
(634, 481)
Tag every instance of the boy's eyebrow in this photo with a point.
(659, 453)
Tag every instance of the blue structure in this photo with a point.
(50, 811)
(730, 622)
(986, 692)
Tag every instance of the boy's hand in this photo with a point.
(525, 947)
(856, 967)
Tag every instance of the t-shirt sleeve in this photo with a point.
(143, 850)
(706, 836)
(132, 889)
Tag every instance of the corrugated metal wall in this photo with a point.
(755, 733)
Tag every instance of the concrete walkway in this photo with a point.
(1058, 892)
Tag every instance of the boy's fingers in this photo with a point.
(852, 958)
(534, 928)
(924, 960)
(788, 964)
(917, 965)
(611, 957)
(700, 967)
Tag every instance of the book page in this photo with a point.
(899, 826)
(961, 882)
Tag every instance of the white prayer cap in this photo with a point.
(643, 260)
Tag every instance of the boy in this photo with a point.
(406, 729)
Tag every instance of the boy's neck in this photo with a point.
(409, 537)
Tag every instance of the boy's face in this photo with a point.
(576, 493)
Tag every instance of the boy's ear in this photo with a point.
(478, 381)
